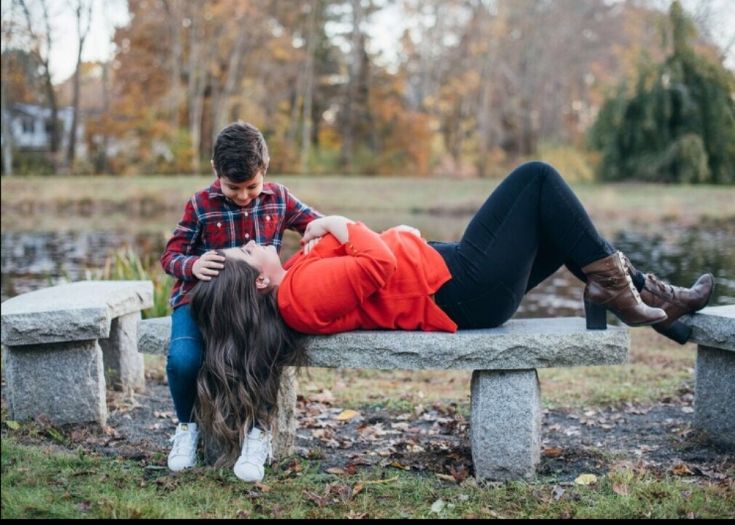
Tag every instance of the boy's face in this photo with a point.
(242, 193)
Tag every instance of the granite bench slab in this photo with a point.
(71, 312)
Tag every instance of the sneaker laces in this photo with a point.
(263, 449)
(182, 441)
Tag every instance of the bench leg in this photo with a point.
(124, 369)
(284, 427)
(505, 424)
(63, 381)
(714, 394)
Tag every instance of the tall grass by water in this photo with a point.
(126, 265)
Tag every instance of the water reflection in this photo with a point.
(676, 253)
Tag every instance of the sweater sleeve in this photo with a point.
(178, 258)
(298, 214)
(328, 288)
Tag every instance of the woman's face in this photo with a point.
(265, 259)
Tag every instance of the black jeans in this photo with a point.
(529, 227)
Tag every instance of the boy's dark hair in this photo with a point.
(240, 152)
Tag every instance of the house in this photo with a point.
(30, 125)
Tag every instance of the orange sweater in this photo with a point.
(373, 281)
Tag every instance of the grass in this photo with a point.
(44, 482)
(156, 202)
(126, 265)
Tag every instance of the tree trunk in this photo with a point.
(82, 36)
(348, 119)
(7, 132)
(175, 34)
(232, 76)
(308, 88)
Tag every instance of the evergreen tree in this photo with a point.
(678, 125)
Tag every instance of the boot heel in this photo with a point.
(678, 331)
(596, 316)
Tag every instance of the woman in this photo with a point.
(349, 277)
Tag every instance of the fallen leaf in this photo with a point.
(585, 479)
(446, 477)
(352, 515)
(396, 464)
(438, 506)
(552, 452)
(346, 415)
(262, 487)
(357, 488)
(336, 471)
(681, 470)
(620, 489)
(319, 501)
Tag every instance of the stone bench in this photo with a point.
(713, 329)
(505, 420)
(65, 343)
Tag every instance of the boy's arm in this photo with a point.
(179, 257)
(298, 214)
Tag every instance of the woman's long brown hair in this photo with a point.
(247, 344)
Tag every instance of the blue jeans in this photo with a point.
(185, 354)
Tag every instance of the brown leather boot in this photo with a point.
(609, 287)
(675, 301)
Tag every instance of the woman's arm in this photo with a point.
(328, 288)
(334, 224)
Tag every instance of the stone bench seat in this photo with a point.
(505, 420)
(67, 342)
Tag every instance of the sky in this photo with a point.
(385, 32)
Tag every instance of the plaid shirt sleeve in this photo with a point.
(298, 214)
(178, 258)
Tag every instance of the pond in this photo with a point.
(675, 252)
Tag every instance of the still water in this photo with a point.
(676, 253)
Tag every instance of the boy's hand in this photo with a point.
(208, 266)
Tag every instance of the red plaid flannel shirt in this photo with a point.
(211, 221)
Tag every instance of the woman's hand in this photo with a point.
(409, 229)
(208, 266)
(310, 245)
(334, 224)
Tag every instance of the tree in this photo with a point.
(83, 15)
(678, 125)
(41, 41)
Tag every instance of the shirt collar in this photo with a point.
(215, 190)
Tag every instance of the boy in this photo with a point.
(238, 207)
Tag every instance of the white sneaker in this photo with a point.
(256, 449)
(184, 451)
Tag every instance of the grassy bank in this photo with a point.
(129, 198)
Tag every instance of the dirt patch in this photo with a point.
(434, 439)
